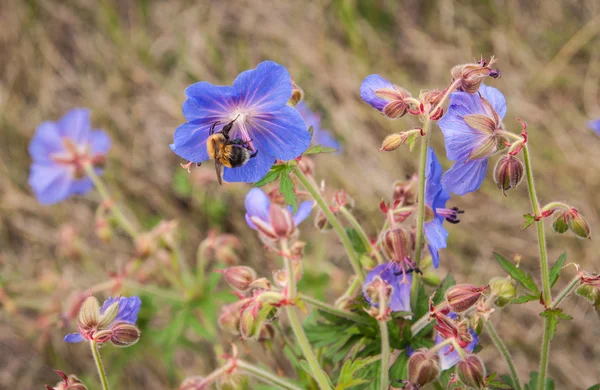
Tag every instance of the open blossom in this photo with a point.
(471, 129)
(595, 125)
(448, 354)
(60, 151)
(270, 219)
(320, 136)
(387, 98)
(394, 275)
(258, 99)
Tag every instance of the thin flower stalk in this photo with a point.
(504, 352)
(99, 365)
(362, 235)
(565, 293)
(332, 310)
(384, 381)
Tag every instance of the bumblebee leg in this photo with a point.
(212, 129)
(254, 154)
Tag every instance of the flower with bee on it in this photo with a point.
(472, 130)
(61, 151)
(256, 107)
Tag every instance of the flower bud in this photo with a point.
(397, 243)
(405, 192)
(145, 245)
(423, 367)
(251, 322)
(229, 317)
(591, 293)
(109, 315)
(89, 314)
(471, 372)
(125, 334)
(577, 224)
(281, 221)
(102, 335)
(70, 382)
(392, 142)
(239, 277)
(464, 296)
(472, 75)
(508, 172)
(378, 292)
(297, 95)
(559, 224)
(505, 290)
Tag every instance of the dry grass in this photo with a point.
(129, 61)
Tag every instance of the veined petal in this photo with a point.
(400, 299)
(368, 87)
(255, 169)
(266, 88)
(76, 125)
(45, 142)
(480, 122)
(257, 204)
(433, 174)
(99, 142)
(303, 212)
(496, 99)
(190, 140)
(73, 338)
(465, 177)
(51, 183)
(206, 100)
(281, 134)
(436, 239)
(129, 307)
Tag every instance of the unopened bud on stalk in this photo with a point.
(577, 224)
(471, 372)
(505, 290)
(464, 296)
(591, 293)
(229, 317)
(124, 334)
(397, 243)
(393, 142)
(508, 172)
(559, 224)
(472, 75)
(239, 277)
(89, 314)
(405, 192)
(423, 367)
(281, 221)
(70, 382)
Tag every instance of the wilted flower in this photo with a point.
(389, 99)
(394, 275)
(471, 129)
(258, 99)
(448, 355)
(99, 323)
(472, 75)
(270, 219)
(595, 125)
(320, 136)
(70, 382)
(60, 152)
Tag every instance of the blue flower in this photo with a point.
(258, 99)
(595, 125)
(259, 212)
(436, 197)
(393, 274)
(449, 356)
(59, 151)
(470, 129)
(385, 97)
(128, 312)
(320, 136)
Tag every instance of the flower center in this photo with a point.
(451, 215)
(76, 157)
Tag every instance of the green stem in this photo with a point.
(384, 381)
(422, 322)
(565, 293)
(362, 234)
(546, 293)
(317, 372)
(333, 310)
(266, 376)
(349, 293)
(99, 365)
(116, 212)
(421, 209)
(337, 226)
(504, 352)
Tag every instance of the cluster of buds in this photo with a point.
(147, 243)
(102, 326)
(70, 382)
(508, 172)
(462, 297)
(379, 292)
(470, 76)
(570, 219)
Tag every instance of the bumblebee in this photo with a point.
(232, 153)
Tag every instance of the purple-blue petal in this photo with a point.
(368, 87)
(495, 97)
(325, 138)
(281, 134)
(595, 125)
(206, 100)
(73, 338)
(76, 125)
(51, 183)
(82, 186)
(465, 177)
(266, 88)
(255, 169)
(190, 140)
(99, 142)
(449, 359)
(400, 299)
(257, 204)
(436, 239)
(46, 141)
(433, 174)
(129, 308)
(303, 212)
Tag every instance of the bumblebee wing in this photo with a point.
(218, 165)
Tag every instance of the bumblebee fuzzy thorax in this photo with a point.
(214, 143)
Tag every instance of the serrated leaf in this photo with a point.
(524, 299)
(357, 243)
(518, 274)
(553, 316)
(317, 149)
(270, 177)
(348, 374)
(529, 220)
(286, 187)
(556, 268)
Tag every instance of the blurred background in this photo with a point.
(130, 61)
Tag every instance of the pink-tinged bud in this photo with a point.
(109, 315)
(423, 367)
(471, 372)
(252, 320)
(226, 255)
(89, 314)
(239, 277)
(405, 192)
(260, 284)
(397, 107)
(393, 142)
(560, 224)
(508, 172)
(282, 221)
(145, 245)
(297, 95)
(125, 334)
(397, 243)
(70, 382)
(472, 75)
(505, 290)
(464, 296)
(101, 336)
(577, 224)
(229, 317)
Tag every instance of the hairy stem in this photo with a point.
(337, 226)
(361, 233)
(565, 293)
(332, 309)
(546, 293)
(349, 293)
(266, 376)
(384, 381)
(504, 352)
(99, 365)
(422, 322)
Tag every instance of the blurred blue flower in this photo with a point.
(595, 125)
(129, 308)
(470, 129)
(436, 197)
(60, 150)
(258, 208)
(448, 355)
(393, 274)
(320, 136)
(387, 98)
(258, 99)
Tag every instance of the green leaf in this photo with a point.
(533, 382)
(271, 176)
(348, 374)
(286, 187)
(357, 243)
(594, 387)
(524, 299)
(556, 268)
(317, 149)
(518, 274)
(529, 220)
(554, 315)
